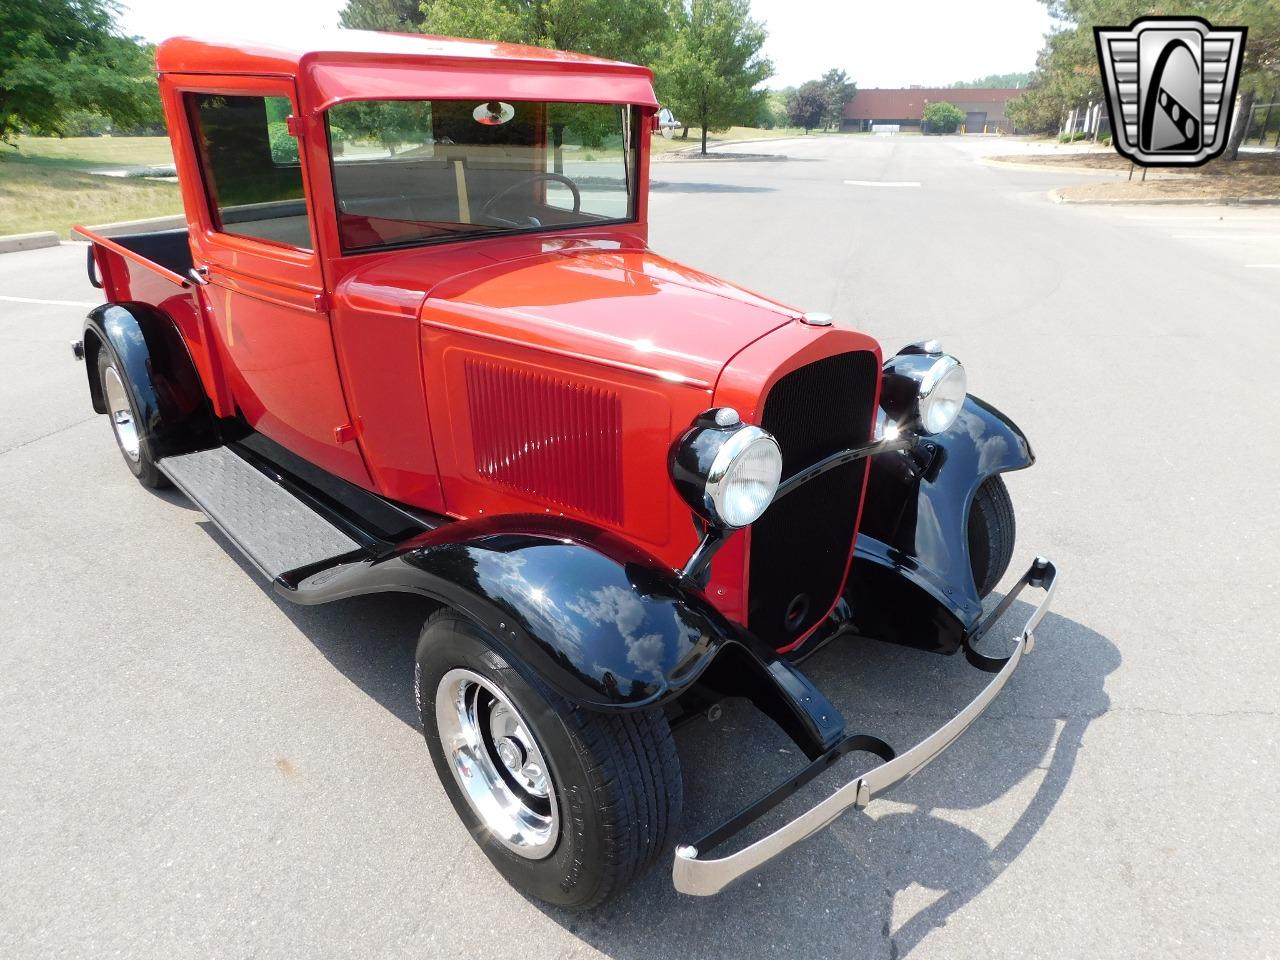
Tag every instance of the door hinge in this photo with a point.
(345, 433)
(321, 302)
(293, 125)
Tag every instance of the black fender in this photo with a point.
(173, 412)
(911, 581)
(600, 621)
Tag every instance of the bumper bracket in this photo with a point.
(694, 874)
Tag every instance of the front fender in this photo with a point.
(911, 579)
(600, 621)
(173, 411)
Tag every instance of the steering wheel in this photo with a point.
(487, 209)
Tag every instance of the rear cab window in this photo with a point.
(251, 168)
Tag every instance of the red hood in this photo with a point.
(599, 302)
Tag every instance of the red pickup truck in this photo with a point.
(413, 339)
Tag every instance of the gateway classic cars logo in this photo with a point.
(1171, 88)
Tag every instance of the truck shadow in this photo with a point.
(693, 186)
(874, 883)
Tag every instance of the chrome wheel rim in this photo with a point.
(121, 413)
(497, 763)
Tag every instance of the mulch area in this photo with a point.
(1253, 176)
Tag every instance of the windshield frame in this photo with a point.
(632, 169)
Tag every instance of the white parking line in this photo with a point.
(1226, 236)
(882, 183)
(51, 303)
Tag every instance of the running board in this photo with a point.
(274, 529)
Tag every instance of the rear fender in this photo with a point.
(911, 579)
(172, 409)
(601, 622)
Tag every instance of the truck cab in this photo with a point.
(412, 338)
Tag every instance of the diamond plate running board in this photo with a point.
(267, 523)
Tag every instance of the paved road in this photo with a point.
(192, 769)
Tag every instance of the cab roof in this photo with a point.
(228, 55)
(340, 65)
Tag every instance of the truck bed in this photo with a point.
(153, 268)
(119, 258)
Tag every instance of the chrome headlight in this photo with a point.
(726, 470)
(923, 389)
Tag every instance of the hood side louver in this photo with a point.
(548, 438)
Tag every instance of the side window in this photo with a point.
(251, 167)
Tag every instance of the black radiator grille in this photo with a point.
(800, 547)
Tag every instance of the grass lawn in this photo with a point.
(86, 153)
(42, 186)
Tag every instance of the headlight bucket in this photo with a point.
(727, 471)
(923, 388)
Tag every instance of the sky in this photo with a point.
(881, 43)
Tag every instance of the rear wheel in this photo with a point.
(992, 531)
(129, 432)
(568, 804)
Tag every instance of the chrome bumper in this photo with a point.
(706, 877)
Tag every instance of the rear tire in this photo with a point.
(992, 531)
(130, 433)
(612, 794)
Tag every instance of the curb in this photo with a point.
(726, 158)
(28, 241)
(1057, 197)
(1050, 168)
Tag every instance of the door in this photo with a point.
(255, 250)
(975, 122)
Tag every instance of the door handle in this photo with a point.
(199, 276)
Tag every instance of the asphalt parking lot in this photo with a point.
(192, 768)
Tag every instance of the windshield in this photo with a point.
(419, 171)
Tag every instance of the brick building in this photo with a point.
(984, 107)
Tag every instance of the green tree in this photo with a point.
(942, 117)
(59, 56)
(1039, 110)
(709, 72)
(997, 81)
(806, 106)
(388, 122)
(631, 31)
(837, 90)
(773, 109)
(397, 16)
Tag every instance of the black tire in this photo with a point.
(616, 777)
(142, 462)
(992, 531)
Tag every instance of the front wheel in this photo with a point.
(992, 531)
(568, 804)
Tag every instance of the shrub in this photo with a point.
(284, 148)
(942, 117)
